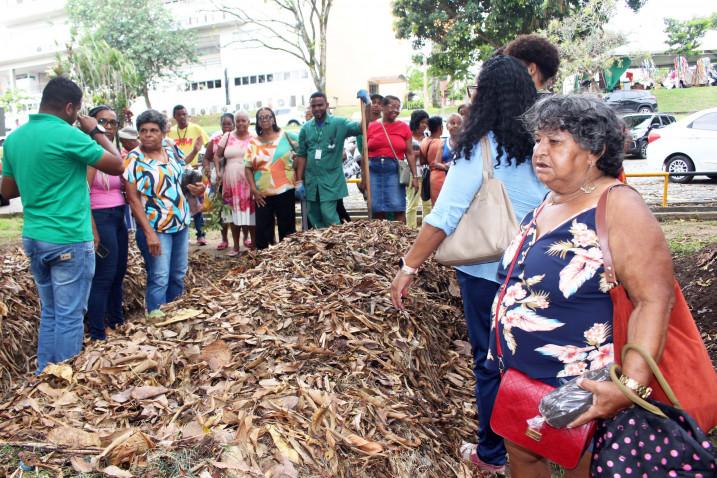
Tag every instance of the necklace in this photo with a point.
(570, 197)
(182, 137)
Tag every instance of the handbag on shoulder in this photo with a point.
(487, 226)
(685, 362)
(404, 170)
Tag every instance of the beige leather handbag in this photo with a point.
(487, 226)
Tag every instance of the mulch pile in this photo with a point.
(297, 366)
(697, 274)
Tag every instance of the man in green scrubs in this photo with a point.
(320, 174)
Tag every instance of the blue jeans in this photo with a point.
(478, 295)
(165, 273)
(199, 224)
(106, 292)
(63, 275)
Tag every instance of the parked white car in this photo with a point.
(688, 145)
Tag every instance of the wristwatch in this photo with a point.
(407, 269)
(640, 390)
(97, 129)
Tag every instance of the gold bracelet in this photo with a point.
(642, 391)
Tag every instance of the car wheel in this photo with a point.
(680, 164)
(644, 109)
(712, 176)
(293, 123)
(642, 149)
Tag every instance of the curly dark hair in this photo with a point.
(151, 116)
(416, 117)
(535, 49)
(592, 124)
(505, 91)
(435, 123)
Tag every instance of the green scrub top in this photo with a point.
(323, 148)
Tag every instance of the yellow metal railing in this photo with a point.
(665, 176)
(665, 179)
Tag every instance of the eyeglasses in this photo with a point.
(105, 122)
(265, 117)
(471, 89)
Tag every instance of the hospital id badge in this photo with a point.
(317, 155)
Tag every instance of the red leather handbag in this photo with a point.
(685, 362)
(518, 400)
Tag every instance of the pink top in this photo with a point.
(105, 191)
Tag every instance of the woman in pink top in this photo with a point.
(108, 206)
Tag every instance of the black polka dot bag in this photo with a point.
(651, 439)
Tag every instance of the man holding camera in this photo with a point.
(45, 164)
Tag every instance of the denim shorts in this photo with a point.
(387, 194)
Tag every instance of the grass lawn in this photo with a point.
(10, 229)
(686, 100)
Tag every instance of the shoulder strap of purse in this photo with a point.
(485, 147)
(602, 233)
(389, 140)
(504, 286)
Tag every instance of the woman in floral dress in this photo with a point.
(555, 319)
(234, 147)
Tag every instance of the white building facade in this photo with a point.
(230, 74)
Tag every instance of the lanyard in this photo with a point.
(319, 131)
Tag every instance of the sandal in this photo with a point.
(248, 243)
(222, 245)
(233, 253)
(469, 453)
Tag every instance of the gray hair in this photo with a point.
(592, 124)
(152, 116)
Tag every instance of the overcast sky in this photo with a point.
(645, 29)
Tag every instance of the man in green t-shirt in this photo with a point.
(320, 175)
(45, 163)
(190, 137)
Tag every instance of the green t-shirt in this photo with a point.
(48, 160)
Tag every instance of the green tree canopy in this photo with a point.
(684, 37)
(143, 30)
(463, 31)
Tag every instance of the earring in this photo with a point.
(588, 186)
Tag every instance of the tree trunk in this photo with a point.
(145, 93)
(424, 67)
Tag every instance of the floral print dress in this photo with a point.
(556, 315)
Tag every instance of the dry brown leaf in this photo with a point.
(116, 472)
(217, 355)
(366, 446)
(285, 449)
(73, 437)
(80, 465)
(285, 469)
(137, 444)
(62, 370)
(148, 391)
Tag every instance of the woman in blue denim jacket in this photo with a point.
(503, 93)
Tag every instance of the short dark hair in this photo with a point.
(463, 106)
(58, 92)
(416, 117)
(591, 123)
(389, 98)
(177, 108)
(318, 94)
(224, 116)
(376, 96)
(434, 124)
(274, 126)
(96, 110)
(152, 116)
(536, 49)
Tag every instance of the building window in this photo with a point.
(252, 79)
(281, 102)
(262, 78)
(269, 77)
(237, 81)
(217, 83)
(373, 88)
(244, 80)
(292, 101)
(287, 75)
(210, 84)
(194, 86)
(258, 104)
(304, 74)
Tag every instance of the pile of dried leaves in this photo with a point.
(20, 306)
(299, 366)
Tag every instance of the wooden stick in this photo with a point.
(51, 447)
(365, 173)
